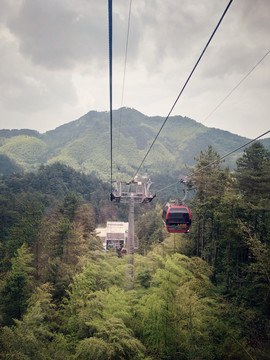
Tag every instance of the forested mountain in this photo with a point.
(8, 166)
(84, 144)
(203, 295)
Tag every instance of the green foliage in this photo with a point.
(93, 348)
(144, 277)
(35, 336)
(26, 229)
(97, 290)
(57, 181)
(112, 341)
(8, 166)
(16, 287)
(253, 175)
(63, 297)
(25, 150)
(80, 144)
(25, 199)
(210, 183)
(70, 205)
(149, 229)
(64, 246)
(180, 313)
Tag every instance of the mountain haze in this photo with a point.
(84, 144)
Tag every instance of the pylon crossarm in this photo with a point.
(139, 191)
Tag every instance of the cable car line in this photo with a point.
(240, 82)
(228, 154)
(226, 97)
(126, 52)
(186, 178)
(183, 88)
(124, 75)
(232, 90)
(110, 78)
(167, 187)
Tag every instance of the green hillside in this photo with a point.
(26, 151)
(84, 144)
(8, 166)
(201, 295)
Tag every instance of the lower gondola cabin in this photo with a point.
(176, 218)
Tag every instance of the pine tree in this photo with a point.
(253, 175)
(210, 182)
(16, 288)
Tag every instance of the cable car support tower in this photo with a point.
(131, 192)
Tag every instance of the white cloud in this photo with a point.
(54, 60)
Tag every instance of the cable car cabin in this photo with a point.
(176, 218)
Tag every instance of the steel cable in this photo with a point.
(183, 88)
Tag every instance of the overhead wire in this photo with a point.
(240, 147)
(186, 178)
(126, 52)
(235, 87)
(183, 88)
(110, 81)
(231, 91)
(225, 98)
(124, 75)
(228, 154)
(178, 97)
(221, 102)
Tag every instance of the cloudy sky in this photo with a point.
(54, 61)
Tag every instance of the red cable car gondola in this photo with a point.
(176, 218)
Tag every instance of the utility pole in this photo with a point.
(132, 192)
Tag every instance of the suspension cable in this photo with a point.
(228, 154)
(124, 76)
(110, 76)
(186, 178)
(190, 75)
(236, 86)
(126, 52)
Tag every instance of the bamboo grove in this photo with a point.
(202, 295)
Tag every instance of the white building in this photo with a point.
(114, 235)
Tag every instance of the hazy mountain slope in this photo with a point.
(85, 144)
(26, 151)
(8, 166)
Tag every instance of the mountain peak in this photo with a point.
(84, 143)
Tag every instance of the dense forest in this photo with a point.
(202, 295)
(72, 143)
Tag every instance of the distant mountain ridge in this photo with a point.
(84, 144)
